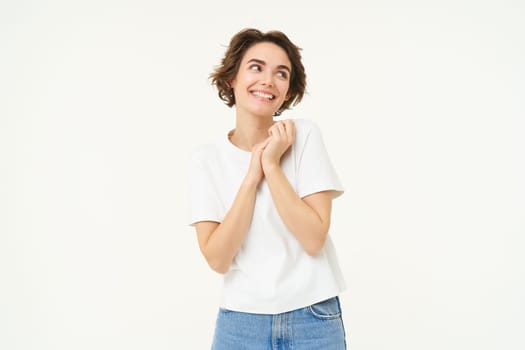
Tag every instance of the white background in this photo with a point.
(421, 104)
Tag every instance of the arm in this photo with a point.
(308, 219)
(219, 242)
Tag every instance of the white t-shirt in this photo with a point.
(271, 273)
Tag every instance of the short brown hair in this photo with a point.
(239, 44)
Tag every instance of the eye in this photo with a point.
(282, 74)
(255, 67)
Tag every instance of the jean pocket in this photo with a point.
(327, 309)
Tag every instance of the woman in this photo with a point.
(261, 205)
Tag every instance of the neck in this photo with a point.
(250, 130)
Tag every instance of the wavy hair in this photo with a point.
(224, 73)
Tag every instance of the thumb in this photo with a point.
(261, 145)
(267, 141)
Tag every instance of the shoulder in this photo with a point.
(304, 124)
(304, 127)
(305, 130)
(204, 153)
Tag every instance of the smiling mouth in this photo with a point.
(263, 95)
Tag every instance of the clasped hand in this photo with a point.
(268, 153)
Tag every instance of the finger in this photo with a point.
(280, 127)
(274, 126)
(262, 145)
(289, 126)
(290, 129)
(274, 130)
(265, 142)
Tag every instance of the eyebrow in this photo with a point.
(281, 66)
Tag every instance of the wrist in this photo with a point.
(250, 182)
(270, 167)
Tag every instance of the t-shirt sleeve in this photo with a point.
(315, 172)
(205, 204)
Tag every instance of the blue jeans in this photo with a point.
(319, 326)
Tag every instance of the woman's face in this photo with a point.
(262, 82)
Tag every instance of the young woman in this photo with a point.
(261, 200)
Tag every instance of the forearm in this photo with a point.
(305, 223)
(224, 242)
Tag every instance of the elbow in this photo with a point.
(215, 261)
(313, 250)
(221, 267)
(315, 246)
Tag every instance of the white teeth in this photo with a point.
(263, 95)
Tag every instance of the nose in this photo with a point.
(267, 79)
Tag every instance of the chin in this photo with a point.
(263, 112)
